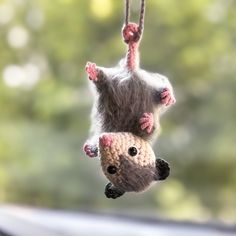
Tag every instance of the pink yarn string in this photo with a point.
(132, 35)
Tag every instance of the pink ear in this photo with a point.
(106, 140)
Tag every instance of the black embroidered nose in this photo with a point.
(111, 170)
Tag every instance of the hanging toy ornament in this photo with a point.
(125, 117)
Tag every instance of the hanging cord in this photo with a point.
(141, 17)
(127, 10)
(132, 33)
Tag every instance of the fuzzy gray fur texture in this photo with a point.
(122, 97)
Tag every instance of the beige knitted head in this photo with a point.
(127, 161)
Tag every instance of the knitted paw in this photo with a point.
(92, 71)
(112, 192)
(147, 122)
(90, 150)
(167, 98)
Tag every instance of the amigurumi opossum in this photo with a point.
(127, 107)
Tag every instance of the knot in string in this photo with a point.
(131, 33)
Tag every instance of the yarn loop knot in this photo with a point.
(131, 33)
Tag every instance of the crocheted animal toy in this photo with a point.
(129, 163)
(128, 99)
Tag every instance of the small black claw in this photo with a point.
(94, 149)
(163, 169)
(112, 192)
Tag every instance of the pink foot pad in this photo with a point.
(167, 98)
(90, 150)
(92, 71)
(147, 122)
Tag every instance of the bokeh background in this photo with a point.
(45, 104)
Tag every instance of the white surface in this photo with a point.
(20, 221)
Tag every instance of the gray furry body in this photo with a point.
(122, 97)
(122, 103)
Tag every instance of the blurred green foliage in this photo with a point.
(45, 103)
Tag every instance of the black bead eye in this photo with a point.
(133, 151)
(111, 170)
